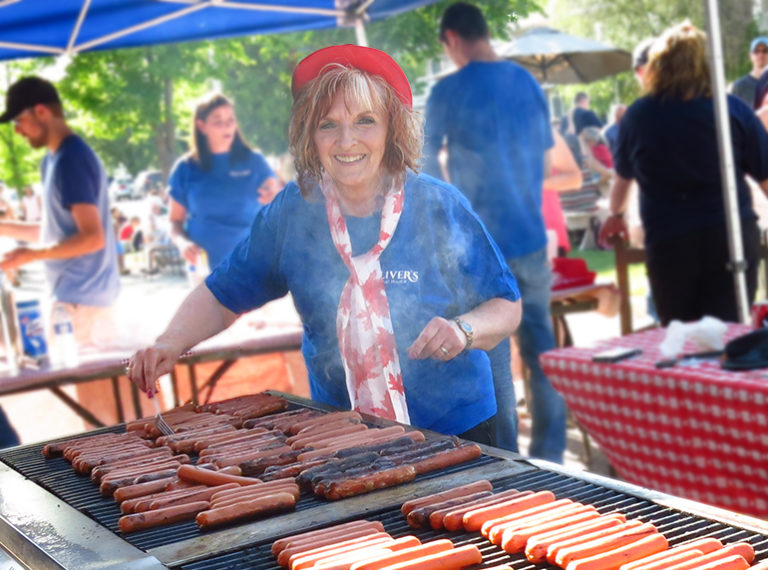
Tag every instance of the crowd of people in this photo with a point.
(413, 249)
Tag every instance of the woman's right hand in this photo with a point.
(148, 364)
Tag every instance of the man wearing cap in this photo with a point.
(744, 87)
(494, 120)
(76, 239)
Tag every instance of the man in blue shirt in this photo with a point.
(493, 119)
(76, 240)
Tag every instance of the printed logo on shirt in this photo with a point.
(400, 276)
(239, 173)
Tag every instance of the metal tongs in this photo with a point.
(689, 358)
(160, 423)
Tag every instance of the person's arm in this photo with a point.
(88, 239)
(615, 224)
(492, 321)
(22, 231)
(564, 173)
(178, 216)
(268, 190)
(199, 317)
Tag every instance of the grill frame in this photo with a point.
(243, 542)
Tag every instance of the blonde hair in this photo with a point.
(312, 102)
(677, 64)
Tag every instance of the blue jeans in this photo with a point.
(8, 437)
(535, 336)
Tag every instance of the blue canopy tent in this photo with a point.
(30, 28)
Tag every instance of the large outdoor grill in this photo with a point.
(51, 517)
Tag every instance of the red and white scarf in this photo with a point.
(363, 323)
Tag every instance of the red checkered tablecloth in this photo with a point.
(696, 431)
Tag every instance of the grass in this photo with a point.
(602, 261)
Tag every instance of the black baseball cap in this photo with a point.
(25, 93)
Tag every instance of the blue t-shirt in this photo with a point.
(74, 175)
(494, 119)
(440, 262)
(670, 148)
(221, 204)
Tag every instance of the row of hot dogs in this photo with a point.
(363, 545)
(334, 455)
(562, 532)
(569, 534)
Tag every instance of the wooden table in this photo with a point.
(692, 430)
(110, 364)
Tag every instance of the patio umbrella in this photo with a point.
(43, 27)
(556, 57)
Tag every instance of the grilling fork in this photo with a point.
(160, 423)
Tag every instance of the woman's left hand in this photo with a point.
(441, 339)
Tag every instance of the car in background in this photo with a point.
(121, 188)
(145, 181)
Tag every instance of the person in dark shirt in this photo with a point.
(744, 87)
(668, 143)
(582, 116)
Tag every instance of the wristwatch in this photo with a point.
(466, 328)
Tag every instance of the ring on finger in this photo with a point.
(444, 350)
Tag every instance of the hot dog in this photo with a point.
(474, 519)
(555, 547)
(513, 540)
(206, 477)
(463, 490)
(459, 557)
(149, 519)
(536, 546)
(451, 518)
(732, 562)
(554, 513)
(323, 418)
(252, 492)
(489, 528)
(359, 485)
(190, 496)
(425, 549)
(315, 439)
(599, 545)
(614, 558)
(142, 504)
(702, 545)
(668, 560)
(141, 489)
(741, 549)
(298, 558)
(254, 508)
(339, 529)
(419, 518)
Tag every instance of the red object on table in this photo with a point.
(696, 431)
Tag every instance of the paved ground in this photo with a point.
(147, 303)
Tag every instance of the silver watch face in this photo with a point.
(464, 325)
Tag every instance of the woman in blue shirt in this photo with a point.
(399, 287)
(215, 188)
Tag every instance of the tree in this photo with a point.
(19, 163)
(125, 100)
(625, 23)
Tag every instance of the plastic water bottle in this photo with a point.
(64, 353)
(198, 271)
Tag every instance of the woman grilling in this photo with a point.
(215, 188)
(398, 285)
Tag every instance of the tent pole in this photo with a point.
(733, 222)
(360, 35)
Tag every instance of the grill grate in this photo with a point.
(57, 476)
(677, 526)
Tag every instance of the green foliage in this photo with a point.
(624, 23)
(134, 106)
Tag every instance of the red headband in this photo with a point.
(368, 59)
